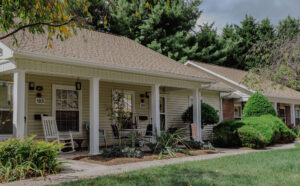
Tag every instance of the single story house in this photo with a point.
(286, 101)
(76, 79)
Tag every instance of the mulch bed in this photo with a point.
(147, 157)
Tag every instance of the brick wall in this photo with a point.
(288, 115)
(228, 109)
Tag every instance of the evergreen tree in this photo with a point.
(212, 48)
(288, 28)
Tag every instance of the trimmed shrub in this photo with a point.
(253, 132)
(259, 132)
(20, 159)
(208, 115)
(122, 151)
(199, 145)
(226, 135)
(258, 105)
(250, 137)
(297, 130)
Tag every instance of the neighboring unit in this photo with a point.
(286, 101)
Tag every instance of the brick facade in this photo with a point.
(288, 115)
(228, 109)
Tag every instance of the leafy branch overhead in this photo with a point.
(58, 18)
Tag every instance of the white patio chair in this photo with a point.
(51, 132)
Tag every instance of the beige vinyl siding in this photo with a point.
(212, 98)
(34, 127)
(177, 103)
(106, 102)
(178, 100)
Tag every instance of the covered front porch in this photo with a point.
(78, 96)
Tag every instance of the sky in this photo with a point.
(233, 11)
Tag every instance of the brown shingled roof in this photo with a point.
(238, 75)
(106, 49)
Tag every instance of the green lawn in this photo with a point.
(280, 167)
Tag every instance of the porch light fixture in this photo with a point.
(78, 85)
(31, 85)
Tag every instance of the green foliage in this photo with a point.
(168, 144)
(20, 159)
(226, 135)
(288, 28)
(253, 132)
(296, 130)
(208, 115)
(199, 145)
(259, 132)
(58, 18)
(258, 105)
(122, 151)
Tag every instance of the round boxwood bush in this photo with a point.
(258, 105)
(208, 115)
(226, 135)
(259, 132)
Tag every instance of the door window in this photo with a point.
(6, 112)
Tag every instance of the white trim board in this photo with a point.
(218, 75)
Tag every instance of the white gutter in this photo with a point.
(219, 76)
(64, 60)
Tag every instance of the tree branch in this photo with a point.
(36, 24)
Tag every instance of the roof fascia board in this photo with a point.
(233, 82)
(64, 60)
(219, 76)
(7, 52)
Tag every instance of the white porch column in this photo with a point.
(19, 104)
(155, 109)
(221, 109)
(94, 116)
(197, 113)
(293, 118)
(275, 107)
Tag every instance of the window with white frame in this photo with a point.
(67, 108)
(237, 112)
(127, 103)
(6, 111)
(297, 115)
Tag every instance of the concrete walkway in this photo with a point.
(76, 170)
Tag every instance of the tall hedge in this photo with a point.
(258, 105)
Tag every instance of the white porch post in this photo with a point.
(155, 109)
(221, 109)
(293, 119)
(94, 116)
(19, 104)
(197, 113)
(275, 107)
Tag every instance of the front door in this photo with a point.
(163, 118)
(6, 111)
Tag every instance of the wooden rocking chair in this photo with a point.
(51, 133)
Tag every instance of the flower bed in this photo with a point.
(98, 159)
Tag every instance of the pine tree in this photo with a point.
(288, 28)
